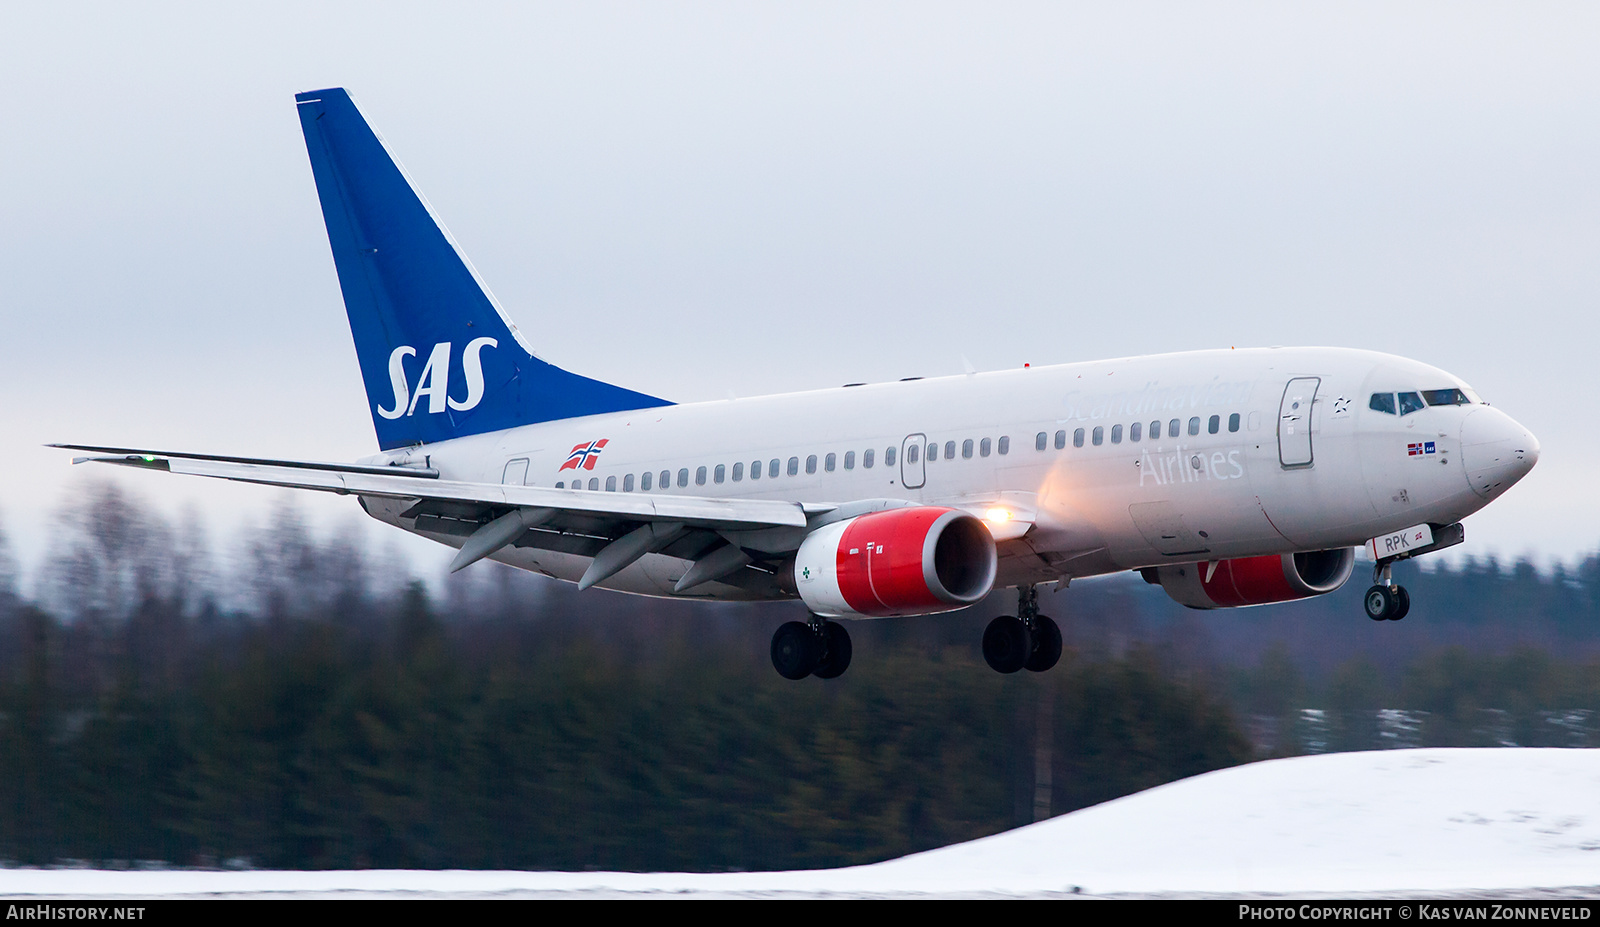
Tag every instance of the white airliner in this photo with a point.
(1229, 478)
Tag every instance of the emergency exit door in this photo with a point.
(912, 468)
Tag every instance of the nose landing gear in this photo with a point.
(1028, 640)
(1385, 601)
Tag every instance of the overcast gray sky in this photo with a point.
(694, 199)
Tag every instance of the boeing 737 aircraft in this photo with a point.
(1229, 478)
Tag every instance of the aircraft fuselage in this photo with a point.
(1104, 466)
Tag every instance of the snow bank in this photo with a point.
(1436, 820)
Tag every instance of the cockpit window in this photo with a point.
(1446, 397)
(1415, 402)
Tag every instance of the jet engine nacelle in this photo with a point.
(908, 561)
(1255, 580)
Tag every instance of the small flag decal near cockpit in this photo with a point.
(1415, 449)
(585, 456)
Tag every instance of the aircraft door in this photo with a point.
(1294, 422)
(516, 473)
(912, 467)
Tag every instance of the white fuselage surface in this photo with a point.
(1079, 469)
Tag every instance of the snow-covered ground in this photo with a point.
(1436, 821)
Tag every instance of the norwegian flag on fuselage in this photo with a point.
(584, 456)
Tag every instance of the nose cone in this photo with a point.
(1496, 451)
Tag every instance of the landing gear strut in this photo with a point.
(1386, 601)
(1027, 640)
(818, 648)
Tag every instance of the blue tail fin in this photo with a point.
(438, 356)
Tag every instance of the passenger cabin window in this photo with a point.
(1174, 428)
(794, 466)
(1004, 444)
(1039, 441)
(933, 452)
(666, 480)
(1061, 439)
(850, 460)
(811, 464)
(738, 471)
(627, 483)
(1155, 430)
(1194, 425)
(866, 459)
(611, 484)
(644, 482)
(1116, 434)
(829, 461)
(594, 483)
(1409, 403)
(1077, 438)
(719, 474)
(911, 454)
(699, 476)
(983, 447)
(1134, 431)
(1214, 425)
(888, 456)
(772, 469)
(755, 469)
(966, 449)
(949, 450)
(683, 477)
(1099, 435)
(1233, 422)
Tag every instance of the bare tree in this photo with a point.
(109, 554)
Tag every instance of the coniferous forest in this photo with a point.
(303, 702)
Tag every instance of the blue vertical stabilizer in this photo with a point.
(439, 358)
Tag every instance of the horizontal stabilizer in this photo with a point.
(156, 460)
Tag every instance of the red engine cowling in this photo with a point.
(909, 561)
(1255, 580)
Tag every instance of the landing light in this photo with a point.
(997, 515)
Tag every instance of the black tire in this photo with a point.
(794, 650)
(1402, 605)
(1379, 602)
(1046, 645)
(836, 651)
(1006, 644)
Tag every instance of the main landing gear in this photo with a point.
(819, 648)
(1386, 601)
(1027, 641)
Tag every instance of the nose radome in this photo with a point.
(1496, 450)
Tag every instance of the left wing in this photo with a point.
(613, 528)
